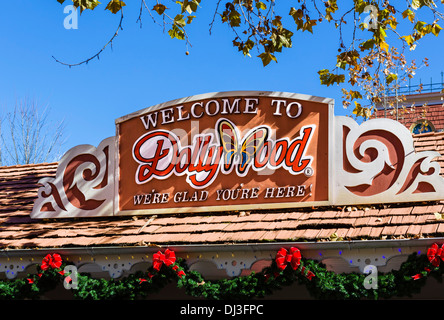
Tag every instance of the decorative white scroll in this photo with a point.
(376, 162)
(83, 185)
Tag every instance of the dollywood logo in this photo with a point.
(160, 154)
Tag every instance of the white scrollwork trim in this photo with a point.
(375, 162)
(83, 185)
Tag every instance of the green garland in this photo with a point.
(324, 285)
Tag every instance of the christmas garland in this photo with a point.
(287, 268)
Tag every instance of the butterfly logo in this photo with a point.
(245, 151)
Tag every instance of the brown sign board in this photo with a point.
(224, 152)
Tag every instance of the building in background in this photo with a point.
(418, 107)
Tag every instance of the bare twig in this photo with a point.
(97, 55)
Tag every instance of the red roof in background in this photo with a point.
(19, 185)
(408, 116)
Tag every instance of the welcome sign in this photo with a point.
(248, 150)
(242, 150)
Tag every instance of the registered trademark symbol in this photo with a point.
(308, 171)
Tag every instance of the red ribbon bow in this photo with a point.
(435, 254)
(54, 261)
(159, 258)
(283, 257)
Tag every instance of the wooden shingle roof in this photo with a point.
(19, 185)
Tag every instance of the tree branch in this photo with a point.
(109, 43)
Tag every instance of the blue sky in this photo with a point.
(147, 67)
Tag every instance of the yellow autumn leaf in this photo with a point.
(115, 6)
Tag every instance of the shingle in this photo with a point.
(389, 230)
(341, 232)
(400, 211)
(408, 219)
(295, 215)
(429, 228)
(363, 232)
(286, 224)
(378, 221)
(286, 234)
(310, 234)
(401, 230)
(414, 230)
(375, 232)
(269, 235)
(420, 210)
(362, 221)
(325, 233)
(396, 219)
(420, 219)
(356, 213)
